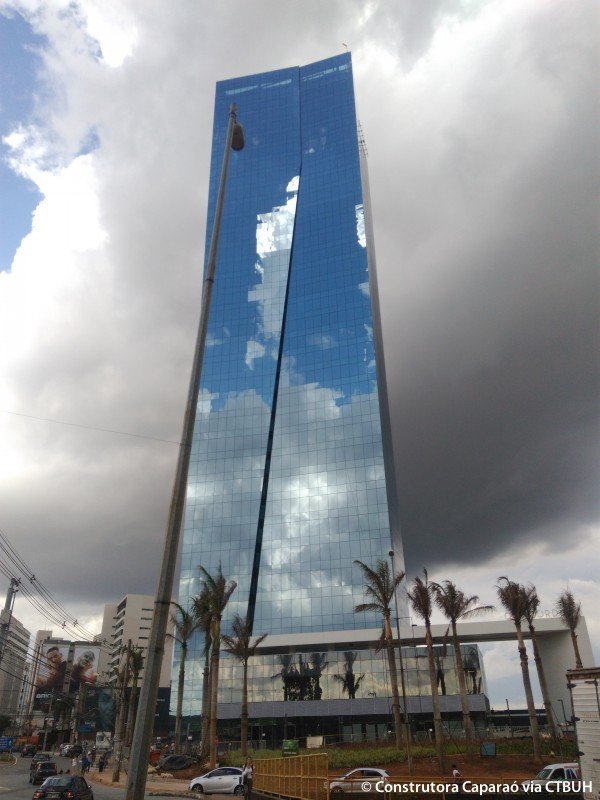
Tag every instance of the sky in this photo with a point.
(480, 119)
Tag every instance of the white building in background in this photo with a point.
(130, 619)
(13, 665)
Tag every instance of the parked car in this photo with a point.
(174, 762)
(70, 787)
(554, 774)
(71, 750)
(43, 770)
(224, 780)
(28, 751)
(352, 781)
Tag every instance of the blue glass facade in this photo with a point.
(287, 482)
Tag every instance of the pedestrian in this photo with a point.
(101, 764)
(457, 775)
(75, 765)
(85, 764)
(247, 778)
(93, 756)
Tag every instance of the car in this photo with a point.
(174, 762)
(352, 781)
(224, 780)
(39, 757)
(553, 774)
(28, 751)
(71, 750)
(43, 770)
(64, 786)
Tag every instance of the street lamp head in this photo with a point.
(237, 139)
(391, 554)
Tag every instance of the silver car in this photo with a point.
(223, 780)
(354, 780)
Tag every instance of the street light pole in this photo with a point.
(407, 734)
(138, 768)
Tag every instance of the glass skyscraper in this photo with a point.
(291, 475)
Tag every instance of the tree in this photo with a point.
(531, 609)
(570, 612)
(455, 605)
(185, 624)
(219, 592)
(201, 608)
(242, 648)
(350, 682)
(136, 665)
(421, 600)
(318, 664)
(515, 601)
(380, 587)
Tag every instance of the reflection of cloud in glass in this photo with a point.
(322, 341)
(360, 225)
(274, 233)
(254, 350)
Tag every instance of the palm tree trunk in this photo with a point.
(214, 688)
(533, 723)
(435, 700)
(543, 685)
(389, 646)
(244, 717)
(131, 712)
(205, 705)
(462, 688)
(578, 662)
(180, 685)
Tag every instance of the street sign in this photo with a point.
(290, 747)
(6, 744)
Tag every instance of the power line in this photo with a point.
(90, 427)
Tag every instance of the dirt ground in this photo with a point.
(495, 769)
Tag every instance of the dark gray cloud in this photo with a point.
(480, 122)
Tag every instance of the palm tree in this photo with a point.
(219, 592)
(285, 673)
(570, 612)
(515, 600)
(533, 603)
(319, 664)
(380, 587)
(242, 648)
(136, 664)
(420, 597)
(185, 624)
(350, 682)
(201, 608)
(456, 605)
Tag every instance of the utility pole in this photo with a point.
(120, 726)
(138, 765)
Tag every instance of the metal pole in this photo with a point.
(138, 767)
(409, 761)
(509, 719)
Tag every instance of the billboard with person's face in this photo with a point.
(100, 708)
(85, 664)
(51, 674)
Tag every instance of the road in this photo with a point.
(14, 781)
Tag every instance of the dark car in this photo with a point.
(174, 762)
(39, 757)
(73, 750)
(28, 751)
(64, 786)
(43, 770)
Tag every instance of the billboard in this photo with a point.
(51, 674)
(99, 708)
(85, 665)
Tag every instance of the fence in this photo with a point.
(298, 777)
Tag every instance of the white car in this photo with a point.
(555, 773)
(353, 781)
(223, 780)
